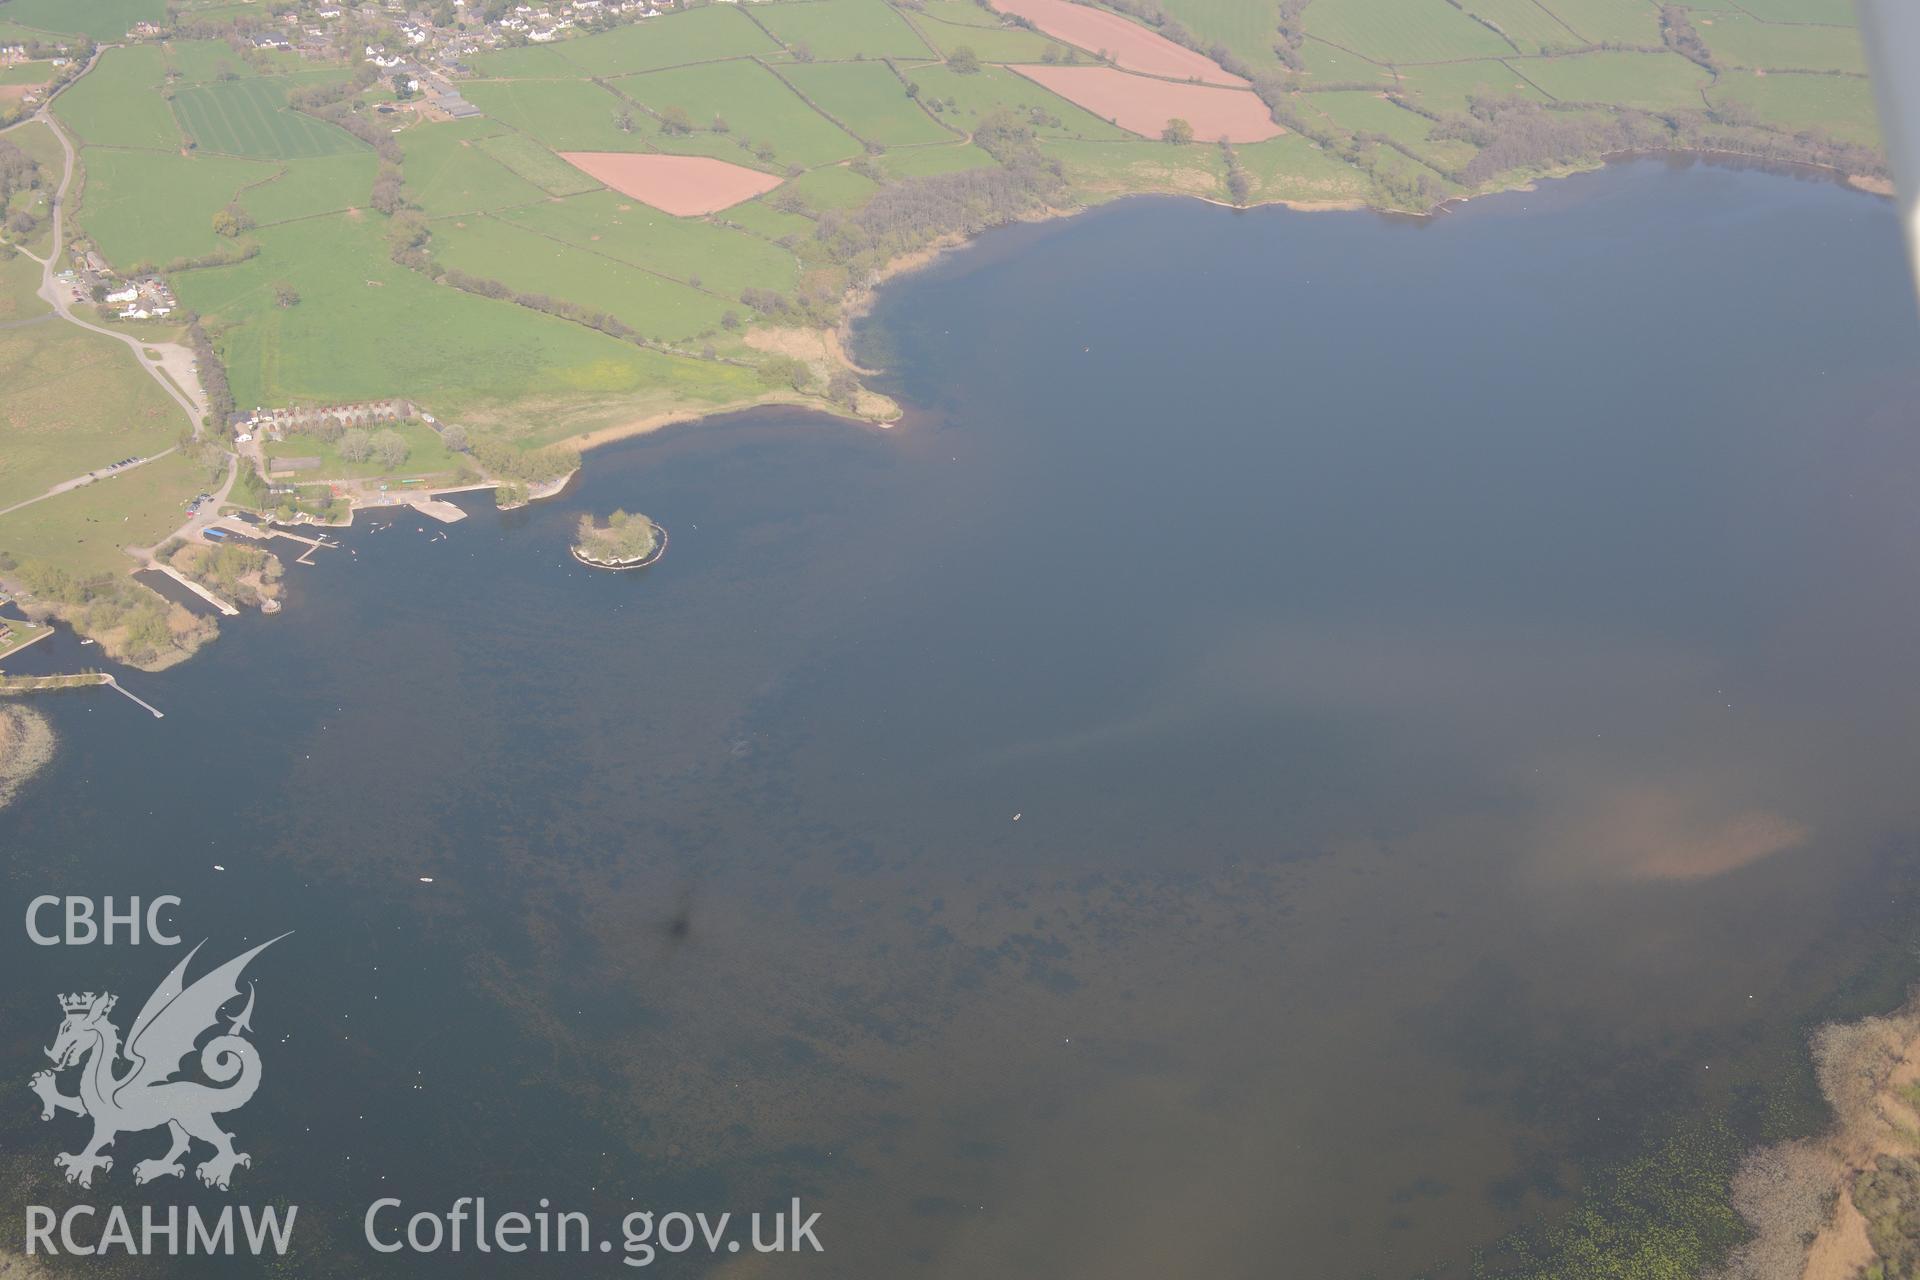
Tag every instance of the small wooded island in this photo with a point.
(625, 541)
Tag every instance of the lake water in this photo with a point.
(1317, 734)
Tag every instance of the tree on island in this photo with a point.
(624, 538)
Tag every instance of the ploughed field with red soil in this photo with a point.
(685, 186)
(1131, 46)
(1144, 105)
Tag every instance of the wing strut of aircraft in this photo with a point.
(1891, 29)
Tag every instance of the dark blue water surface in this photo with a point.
(1317, 733)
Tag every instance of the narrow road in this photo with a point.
(193, 399)
(77, 481)
(183, 386)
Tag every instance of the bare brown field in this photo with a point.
(1130, 45)
(685, 186)
(1144, 106)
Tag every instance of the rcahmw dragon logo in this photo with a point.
(147, 1096)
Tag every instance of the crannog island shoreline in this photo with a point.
(926, 128)
(825, 351)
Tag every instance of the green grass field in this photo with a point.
(367, 328)
(762, 219)
(835, 187)
(1291, 168)
(1839, 105)
(1097, 170)
(19, 278)
(1648, 80)
(449, 172)
(85, 530)
(304, 188)
(536, 164)
(723, 260)
(27, 73)
(530, 62)
(965, 99)
(947, 25)
(1837, 12)
(14, 32)
(1531, 28)
(1446, 87)
(922, 161)
(1740, 41)
(1410, 31)
(525, 260)
(867, 98)
(1325, 64)
(203, 61)
(834, 29)
(119, 104)
(426, 456)
(1361, 111)
(1247, 29)
(1610, 21)
(251, 118)
(148, 206)
(567, 115)
(757, 106)
(703, 35)
(103, 20)
(74, 401)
